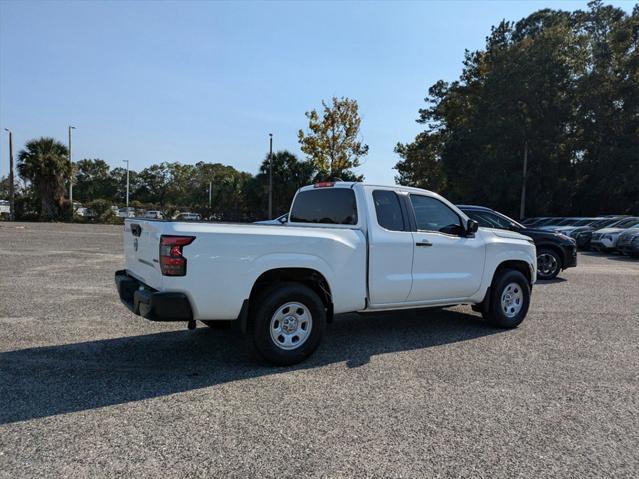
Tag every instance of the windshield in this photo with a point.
(545, 222)
(627, 223)
(565, 222)
(584, 222)
(603, 223)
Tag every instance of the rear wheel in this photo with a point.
(548, 264)
(288, 323)
(509, 299)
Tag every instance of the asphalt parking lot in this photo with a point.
(87, 389)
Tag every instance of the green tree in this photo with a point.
(93, 181)
(117, 178)
(45, 164)
(332, 141)
(154, 183)
(289, 174)
(562, 84)
(4, 187)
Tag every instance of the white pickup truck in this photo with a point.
(345, 247)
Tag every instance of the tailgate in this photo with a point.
(142, 250)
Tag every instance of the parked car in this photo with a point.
(606, 239)
(346, 247)
(583, 234)
(555, 251)
(567, 229)
(532, 221)
(188, 217)
(85, 212)
(280, 220)
(559, 223)
(628, 242)
(5, 209)
(126, 212)
(153, 215)
(548, 221)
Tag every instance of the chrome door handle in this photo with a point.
(424, 243)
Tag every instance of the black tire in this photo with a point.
(219, 324)
(311, 311)
(548, 264)
(497, 314)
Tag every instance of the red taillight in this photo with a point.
(172, 263)
(324, 184)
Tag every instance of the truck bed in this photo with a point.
(225, 260)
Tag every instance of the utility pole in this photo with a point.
(522, 204)
(270, 177)
(72, 172)
(210, 194)
(127, 186)
(11, 192)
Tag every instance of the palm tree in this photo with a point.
(45, 163)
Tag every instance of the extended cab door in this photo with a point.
(446, 263)
(390, 248)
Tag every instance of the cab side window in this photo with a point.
(388, 210)
(433, 215)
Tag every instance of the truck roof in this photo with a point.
(355, 184)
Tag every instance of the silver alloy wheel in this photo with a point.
(546, 264)
(291, 326)
(512, 300)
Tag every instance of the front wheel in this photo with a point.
(509, 299)
(288, 323)
(548, 264)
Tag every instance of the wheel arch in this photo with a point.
(554, 248)
(309, 277)
(519, 265)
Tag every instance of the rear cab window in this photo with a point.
(333, 206)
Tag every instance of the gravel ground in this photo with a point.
(87, 389)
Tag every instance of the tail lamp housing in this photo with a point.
(172, 262)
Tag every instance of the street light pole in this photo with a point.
(270, 177)
(127, 186)
(72, 172)
(522, 204)
(11, 192)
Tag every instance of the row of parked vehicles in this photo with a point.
(557, 238)
(608, 234)
(156, 215)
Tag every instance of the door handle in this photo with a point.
(424, 243)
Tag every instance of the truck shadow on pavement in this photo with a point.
(51, 380)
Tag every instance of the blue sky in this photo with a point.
(197, 81)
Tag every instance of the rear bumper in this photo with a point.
(149, 303)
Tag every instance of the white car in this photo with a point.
(5, 209)
(126, 212)
(346, 247)
(606, 239)
(188, 217)
(153, 215)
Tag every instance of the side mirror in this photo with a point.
(471, 227)
(283, 219)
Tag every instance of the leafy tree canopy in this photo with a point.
(562, 84)
(44, 162)
(332, 141)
